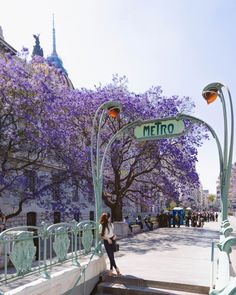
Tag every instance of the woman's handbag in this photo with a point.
(116, 246)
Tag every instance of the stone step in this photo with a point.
(122, 289)
(132, 281)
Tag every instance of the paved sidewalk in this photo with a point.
(179, 255)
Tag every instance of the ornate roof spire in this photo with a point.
(54, 51)
(54, 58)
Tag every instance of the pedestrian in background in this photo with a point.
(108, 236)
(126, 220)
(169, 218)
(177, 218)
(139, 221)
(148, 222)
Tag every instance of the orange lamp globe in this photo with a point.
(210, 95)
(113, 112)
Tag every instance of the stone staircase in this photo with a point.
(128, 285)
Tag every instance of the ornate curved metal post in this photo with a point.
(44, 233)
(95, 158)
(98, 161)
(95, 163)
(224, 282)
(228, 160)
(210, 93)
(199, 121)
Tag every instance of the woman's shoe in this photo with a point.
(118, 271)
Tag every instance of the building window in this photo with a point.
(31, 218)
(75, 193)
(30, 180)
(91, 215)
(56, 187)
(57, 217)
(76, 216)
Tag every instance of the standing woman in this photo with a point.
(106, 232)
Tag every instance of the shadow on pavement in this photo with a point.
(168, 239)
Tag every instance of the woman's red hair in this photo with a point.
(104, 223)
(103, 218)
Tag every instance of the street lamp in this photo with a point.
(210, 94)
(112, 109)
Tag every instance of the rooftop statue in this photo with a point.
(37, 48)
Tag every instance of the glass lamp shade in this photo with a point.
(113, 112)
(210, 95)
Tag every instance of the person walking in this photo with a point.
(177, 217)
(148, 222)
(126, 220)
(106, 232)
(170, 219)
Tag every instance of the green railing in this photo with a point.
(30, 249)
(223, 283)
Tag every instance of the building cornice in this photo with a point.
(7, 47)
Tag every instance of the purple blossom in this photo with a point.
(41, 115)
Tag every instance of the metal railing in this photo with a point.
(30, 249)
(222, 282)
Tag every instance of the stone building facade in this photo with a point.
(61, 201)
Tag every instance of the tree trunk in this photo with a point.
(116, 212)
(115, 206)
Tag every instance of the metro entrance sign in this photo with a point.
(162, 128)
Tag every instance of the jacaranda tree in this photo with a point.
(136, 171)
(35, 126)
(41, 118)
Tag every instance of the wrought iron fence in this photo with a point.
(29, 249)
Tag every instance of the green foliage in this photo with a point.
(171, 205)
(211, 198)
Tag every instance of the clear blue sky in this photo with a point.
(181, 45)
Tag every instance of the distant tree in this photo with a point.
(41, 119)
(211, 198)
(172, 205)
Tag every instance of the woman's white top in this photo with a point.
(107, 234)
